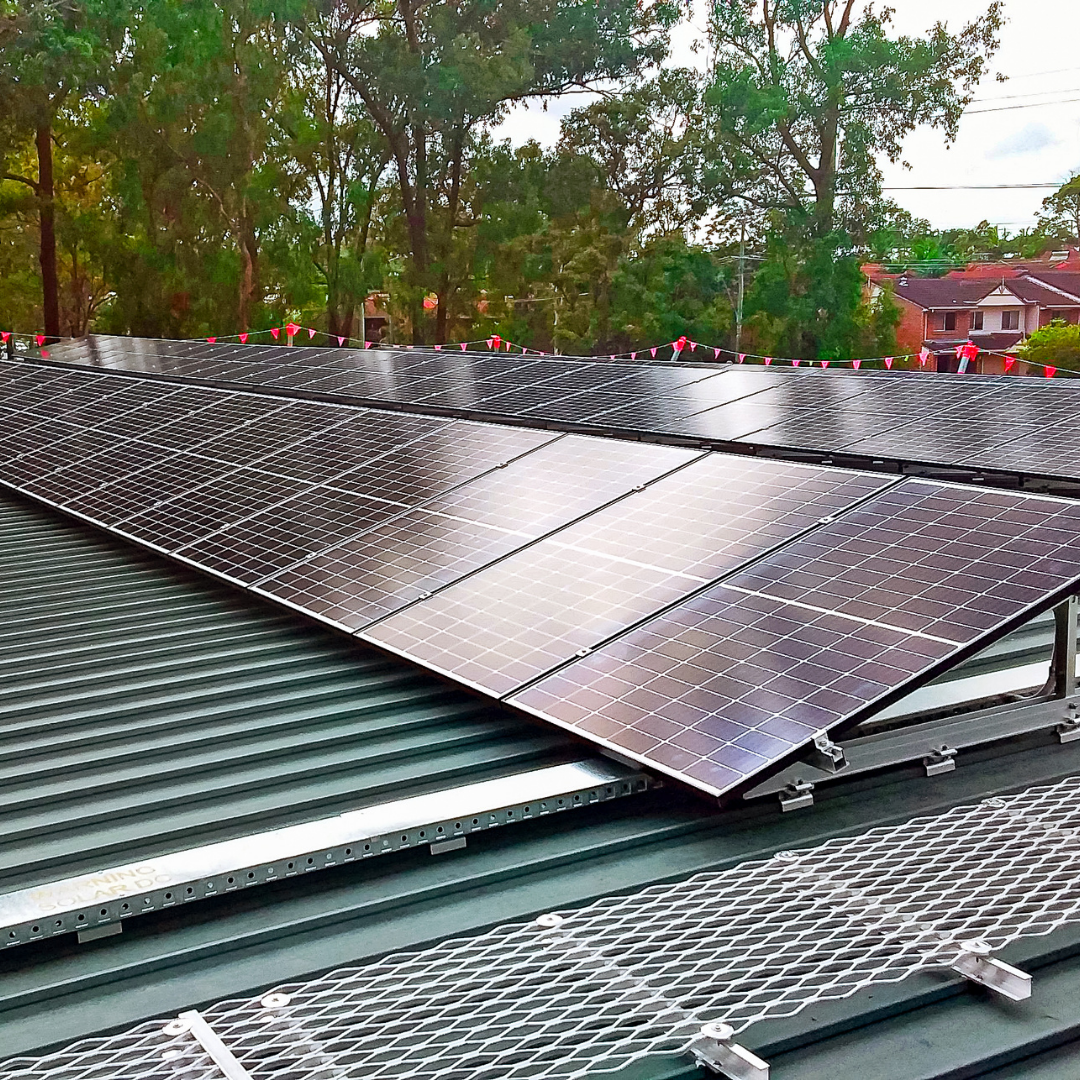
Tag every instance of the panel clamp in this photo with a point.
(714, 1049)
(940, 761)
(826, 755)
(975, 963)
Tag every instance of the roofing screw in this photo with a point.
(826, 520)
(172, 1055)
(976, 947)
(275, 1001)
(718, 1030)
(548, 920)
(583, 652)
(786, 856)
(175, 1027)
(994, 804)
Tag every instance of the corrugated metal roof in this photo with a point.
(142, 707)
(145, 707)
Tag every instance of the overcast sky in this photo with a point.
(1035, 144)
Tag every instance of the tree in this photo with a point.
(434, 75)
(52, 52)
(344, 160)
(1057, 344)
(1062, 210)
(806, 93)
(643, 144)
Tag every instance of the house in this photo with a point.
(996, 314)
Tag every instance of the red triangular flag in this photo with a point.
(212, 340)
(633, 356)
(40, 339)
(340, 340)
(611, 357)
(653, 351)
(276, 331)
(490, 342)
(367, 344)
(311, 333)
(1009, 361)
(768, 360)
(5, 334)
(463, 344)
(438, 347)
(243, 339)
(1050, 371)
(924, 355)
(693, 346)
(795, 363)
(824, 363)
(742, 357)
(856, 364)
(291, 328)
(888, 362)
(716, 354)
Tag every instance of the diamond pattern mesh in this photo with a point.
(595, 989)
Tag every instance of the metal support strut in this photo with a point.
(193, 1024)
(1062, 683)
(976, 963)
(714, 1049)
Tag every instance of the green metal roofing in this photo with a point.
(144, 707)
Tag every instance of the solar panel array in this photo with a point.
(1011, 425)
(701, 613)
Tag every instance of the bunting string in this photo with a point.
(682, 349)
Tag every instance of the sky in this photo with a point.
(998, 142)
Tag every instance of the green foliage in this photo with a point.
(1062, 212)
(1057, 344)
(807, 301)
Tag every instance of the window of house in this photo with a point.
(1010, 320)
(976, 320)
(948, 320)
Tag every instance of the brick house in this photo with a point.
(994, 313)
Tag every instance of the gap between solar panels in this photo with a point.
(1009, 430)
(708, 616)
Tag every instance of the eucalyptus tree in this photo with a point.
(54, 54)
(433, 76)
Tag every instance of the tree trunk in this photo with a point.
(50, 285)
(249, 278)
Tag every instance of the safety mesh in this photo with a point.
(591, 990)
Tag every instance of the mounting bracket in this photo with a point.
(715, 1049)
(976, 963)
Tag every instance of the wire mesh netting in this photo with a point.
(591, 990)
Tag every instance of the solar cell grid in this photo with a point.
(297, 528)
(438, 461)
(226, 413)
(120, 459)
(463, 530)
(273, 432)
(521, 617)
(733, 680)
(362, 436)
(727, 684)
(163, 474)
(186, 517)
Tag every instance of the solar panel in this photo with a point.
(736, 679)
(454, 535)
(509, 624)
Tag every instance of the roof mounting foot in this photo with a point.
(798, 795)
(1069, 728)
(714, 1049)
(976, 963)
(826, 755)
(940, 761)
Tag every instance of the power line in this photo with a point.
(1030, 105)
(973, 187)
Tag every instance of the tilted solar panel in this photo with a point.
(474, 525)
(524, 616)
(819, 633)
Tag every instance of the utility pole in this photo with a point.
(742, 286)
